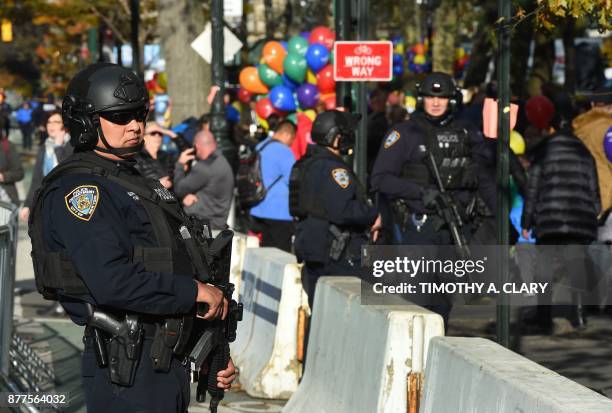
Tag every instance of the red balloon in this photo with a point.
(322, 35)
(329, 100)
(244, 95)
(540, 111)
(325, 80)
(264, 108)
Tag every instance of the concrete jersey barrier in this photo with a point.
(240, 243)
(265, 350)
(475, 375)
(360, 359)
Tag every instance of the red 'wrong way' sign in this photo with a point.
(363, 61)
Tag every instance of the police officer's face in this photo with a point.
(119, 135)
(435, 106)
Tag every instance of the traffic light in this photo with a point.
(7, 31)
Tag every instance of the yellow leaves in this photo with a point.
(599, 10)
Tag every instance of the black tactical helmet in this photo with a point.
(331, 123)
(101, 88)
(438, 84)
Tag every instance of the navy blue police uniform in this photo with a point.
(334, 219)
(99, 224)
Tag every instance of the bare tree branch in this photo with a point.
(109, 23)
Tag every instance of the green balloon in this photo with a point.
(269, 76)
(295, 67)
(331, 57)
(292, 117)
(298, 45)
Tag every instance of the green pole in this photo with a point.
(361, 146)
(342, 17)
(135, 22)
(503, 148)
(218, 124)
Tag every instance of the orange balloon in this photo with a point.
(273, 55)
(419, 49)
(249, 79)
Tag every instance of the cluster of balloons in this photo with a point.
(414, 59)
(462, 59)
(292, 76)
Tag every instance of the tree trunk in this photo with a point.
(543, 61)
(482, 51)
(412, 28)
(569, 32)
(445, 33)
(188, 74)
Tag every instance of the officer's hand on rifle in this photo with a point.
(227, 376)
(376, 227)
(217, 304)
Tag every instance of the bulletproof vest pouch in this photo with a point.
(303, 201)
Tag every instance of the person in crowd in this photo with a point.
(591, 128)
(271, 216)
(403, 176)
(24, 119)
(56, 148)
(11, 170)
(5, 112)
(204, 181)
(96, 221)
(539, 111)
(332, 210)
(377, 124)
(154, 163)
(561, 208)
(396, 114)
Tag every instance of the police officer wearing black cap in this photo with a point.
(403, 175)
(106, 243)
(330, 205)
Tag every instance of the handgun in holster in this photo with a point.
(120, 351)
(339, 242)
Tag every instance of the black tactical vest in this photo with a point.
(451, 150)
(54, 271)
(303, 201)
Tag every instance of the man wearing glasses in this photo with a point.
(106, 244)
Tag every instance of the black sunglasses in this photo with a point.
(123, 118)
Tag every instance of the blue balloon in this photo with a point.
(284, 44)
(281, 98)
(305, 35)
(398, 70)
(398, 59)
(289, 83)
(317, 57)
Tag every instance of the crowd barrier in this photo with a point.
(8, 254)
(362, 358)
(479, 376)
(267, 343)
(240, 243)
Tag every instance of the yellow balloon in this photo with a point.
(459, 53)
(311, 77)
(419, 59)
(517, 143)
(399, 48)
(410, 102)
(310, 114)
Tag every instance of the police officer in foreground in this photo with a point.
(334, 216)
(106, 243)
(404, 175)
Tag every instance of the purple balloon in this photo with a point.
(608, 144)
(308, 95)
(305, 35)
(317, 57)
(284, 44)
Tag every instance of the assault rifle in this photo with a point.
(210, 339)
(448, 211)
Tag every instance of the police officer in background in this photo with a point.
(334, 216)
(403, 174)
(106, 243)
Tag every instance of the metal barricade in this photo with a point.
(8, 258)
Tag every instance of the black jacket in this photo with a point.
(11, 169)
(562, 197)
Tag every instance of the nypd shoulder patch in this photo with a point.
(391, 139)
(341, 176)
(82, 201)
